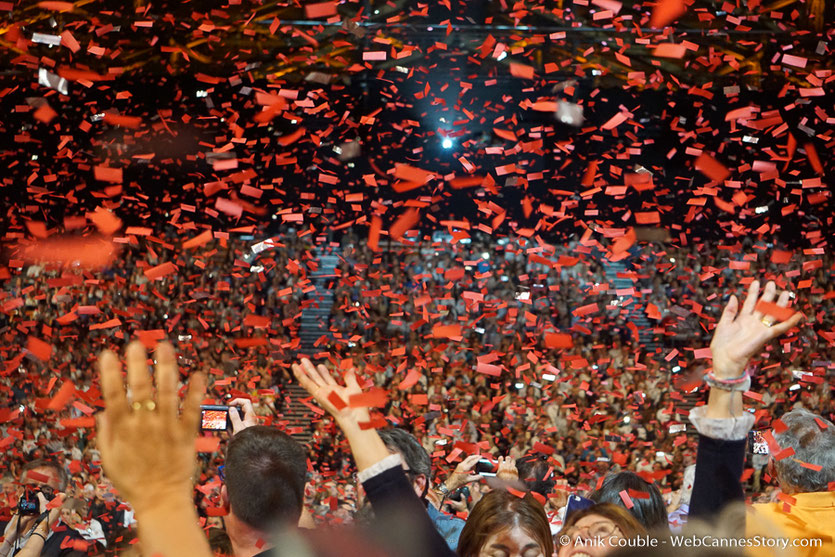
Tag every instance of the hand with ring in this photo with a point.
(147, 447)
(742, 333)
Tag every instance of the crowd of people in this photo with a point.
(478, 357)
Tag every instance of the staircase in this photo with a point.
(316, 315)
(297, 418)
(616, 275)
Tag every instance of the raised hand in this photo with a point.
(147, 447)
(507, 469)
(741, 333)
(249, 418)
(462, 474)
(329, 394)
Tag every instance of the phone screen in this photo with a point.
(485, 467)
(758, 443)
(214, 418)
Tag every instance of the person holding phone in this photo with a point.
(36, 529)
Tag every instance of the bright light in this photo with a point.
(627, 419)
(761, 210)
(520, 385)
(446, 143)
(549, 376)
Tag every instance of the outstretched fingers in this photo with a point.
(769, 293)
(751, 299)
(139, 379)
(112, 385)
(167, 378)
(730, 311)
(190, 418)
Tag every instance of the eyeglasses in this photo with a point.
(597, 530)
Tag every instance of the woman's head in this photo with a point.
(649, 509)
(504, 525)
(596, 529)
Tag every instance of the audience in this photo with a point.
(596, 417)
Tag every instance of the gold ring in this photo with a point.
(148, 405)
(768, 321)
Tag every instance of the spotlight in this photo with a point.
(446, 143)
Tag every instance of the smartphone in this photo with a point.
(577, 503)
(486, 467)
(758, 443)
(678, 428)
(214, 417)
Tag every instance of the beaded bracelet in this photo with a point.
(742, 383)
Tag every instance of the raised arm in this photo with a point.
(723, 424)
(400, 515)
(147, 448)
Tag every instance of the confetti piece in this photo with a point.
(160, 270)
(132, 122)
(627, 501)
(615, 121)
(198, 241)
(37, 476)
(38, 348)
(772, 309)
(585, 310)
(404, 223)
(207, 444)
(669, 50)
(105, 221)
(785, 453)
(337, 401)
(558, 340)
(373, 398)
(62, 397)
(44, 113)
(321, 9)
(447, 331)
(374, 233)
(666, 12)
(412, 174)
(107, 174)
(521, 70)
(712, 168)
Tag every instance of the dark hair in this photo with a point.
(47, 463)
(626, 522)
(415, 456)
(220, 543)
(499, 510)
(264, 476)
(537, 473)
(650, 511)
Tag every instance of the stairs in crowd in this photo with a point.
(297, 417)
(315, 320)
(636, 312)
(315, 323)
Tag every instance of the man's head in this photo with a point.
(43, 472)
(264, 477)
(813, 441)
(416, 460)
